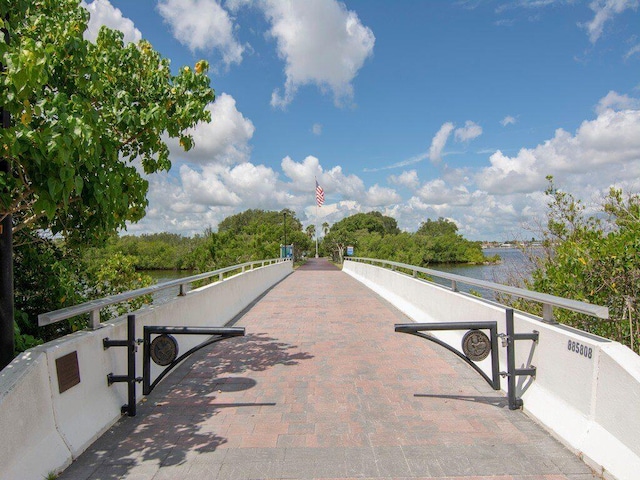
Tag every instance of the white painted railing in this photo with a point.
(586, 388)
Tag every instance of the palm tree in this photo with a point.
(325, 228)
(311, 231)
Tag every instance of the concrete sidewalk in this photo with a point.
(322, 387)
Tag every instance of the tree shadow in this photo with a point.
(180, 417)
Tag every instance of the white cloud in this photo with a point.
(225, 140)
(437, 192)
(206, 188)
(378, 196)
(508, 120)
(403, 163)
(322, 44)
(103, 13)
(316, 129)
(632, 51)
(604, 11)
(202, 25)
(334, 181)
(407, 179)
(439, 141)
(470, 131)
(615, 101)
(512, 175)
(303, 175)
(601, 150)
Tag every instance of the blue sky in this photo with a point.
(417, 109)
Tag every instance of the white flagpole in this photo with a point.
(316, 228)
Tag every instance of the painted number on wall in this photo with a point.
(580, 349)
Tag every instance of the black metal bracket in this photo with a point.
(132, 347)
(417, 328)
(508, 340)
(217, 333)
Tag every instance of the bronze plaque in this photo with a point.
(164, 349)
(476, 345)
(68, 371)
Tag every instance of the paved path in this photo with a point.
(322, 387)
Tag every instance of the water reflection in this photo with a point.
(515, 266)
(162, 276)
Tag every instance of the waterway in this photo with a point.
(513, 267)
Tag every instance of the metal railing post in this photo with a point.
(94, 319)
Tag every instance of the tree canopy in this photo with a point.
(378, 236)
(594, 259)
(88, 118)
(88, 121)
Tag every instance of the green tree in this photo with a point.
(593, 259)
(88, 118)
(83, 113)
(437, 228)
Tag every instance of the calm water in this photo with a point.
(514, 265)
(162, 276)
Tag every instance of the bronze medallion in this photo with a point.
(476, 345)
(164, 349)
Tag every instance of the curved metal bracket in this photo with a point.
(222, 333)
(509, 340)
(417, 329)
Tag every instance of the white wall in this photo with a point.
(42, 430)
(590, 404)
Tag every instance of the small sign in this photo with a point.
(68, 371)
(349, 251)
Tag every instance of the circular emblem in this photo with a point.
(164, 349)
(476, 345)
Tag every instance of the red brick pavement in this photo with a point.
(322, 387)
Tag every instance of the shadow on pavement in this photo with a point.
(180, 417)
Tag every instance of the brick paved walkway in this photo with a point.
(321, 387)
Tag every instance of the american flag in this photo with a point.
(319, 195)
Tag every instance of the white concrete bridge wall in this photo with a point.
(589, 401)
(42, 431)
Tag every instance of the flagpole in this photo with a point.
(316, 229)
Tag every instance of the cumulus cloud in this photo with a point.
(606, 10)
(103, 13)
(206, 188)
(470, 131)
(602, 147)
(439, 141)
(242, 186)
(322, 44)
(378, 196)
(225, 140)
(615, 101)
(303, 175)
(407, 179)
(437, 192)
(202, 25)
(508, 120)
